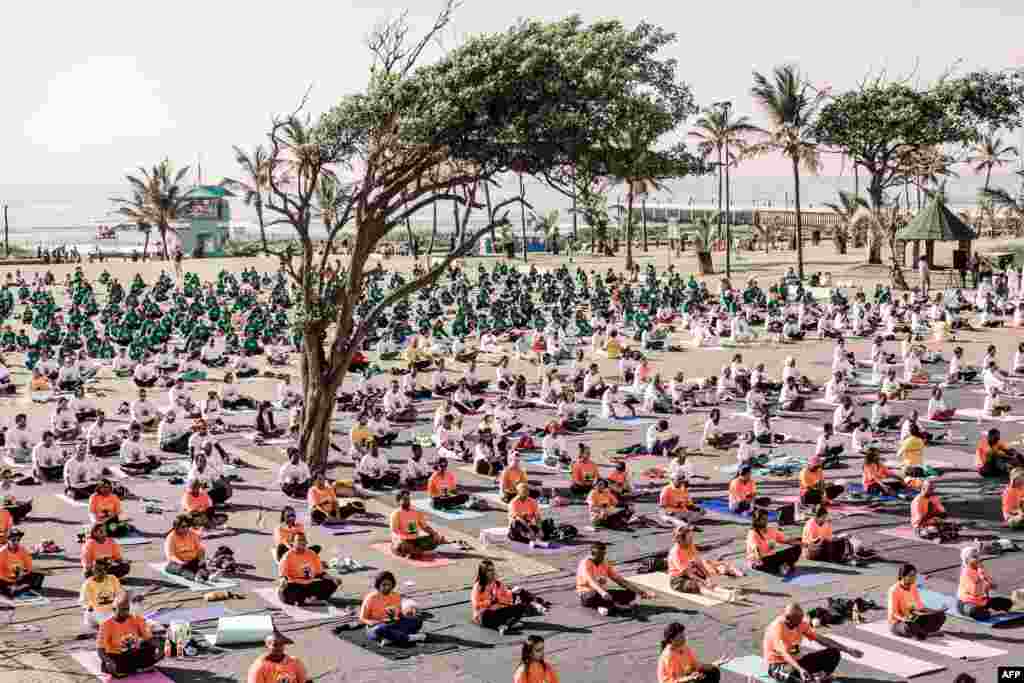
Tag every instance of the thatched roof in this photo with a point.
(936, 222)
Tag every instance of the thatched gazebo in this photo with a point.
(936, 223)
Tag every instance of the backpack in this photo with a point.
(566, 532)
(224, 560)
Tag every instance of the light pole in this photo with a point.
(726, 107)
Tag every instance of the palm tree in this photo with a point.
(704, 237)
(631, 165)
(989, 153)
(849, 209)
(157, 199)
(715, 131)
(254, 185)
(791, 105)
(547, 224)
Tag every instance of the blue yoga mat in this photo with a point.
(859, 488)
(935, 600)
(750, 665)
(190, 615)
(799, 578)
(720, 506)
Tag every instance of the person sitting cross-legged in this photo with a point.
(592, 577)
(1013, 500)
(690, 573)
(323, 502)
(928, 516)
(303, 580)
(525, 524)
(498, 607)
(814, 490)
(781, 649)
(678, 663)
(818, 540)
(105, 508)
(974, 597)
(125, 643)
(442, 488)
(286, 530)
(16, 575)
(769, 550)
(411, 535)
(907, 614)
(97, 595)
(197, 504)
(184, 551)
(675, 503)
(294, 476)
(99, 546)
(388, 621)
(605, 510)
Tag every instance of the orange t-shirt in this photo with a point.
(93, 551)
(200, 503)
(679, 558)
(6, 522)
(674, 664)
(901, 600)
(183, 548)
(598, 498)
(816, 532)
(104, 507)
(495, 595)
(284, 534)
(377, 607)
(10, 560)
(920, 507)
(874, 474)
(974, 586)
(300, 567)
(740, 490)
(675, 499)
(981, 453)
(536, 673)
(317, 497)
(524, 509)
(117, 636)
(406, 524)
(779, 638)
(288, 670)
(762, 544)
(441, 484)
(584, 473)
(617, 477)
(598, 573)
(1012, 501)
(809, 479)
(510, 478)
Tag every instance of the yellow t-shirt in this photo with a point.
(913, 451)
(613, 348)
(99, 595)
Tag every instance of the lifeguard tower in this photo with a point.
(204, 227)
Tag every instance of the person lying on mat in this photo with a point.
(197, 504)
(125, 643)
(690, 573)
(814, 490)
(101, 546)
(442, 488)
(907, 614)
(1013, 500)
(48, 460)
(780, 649)
(81, 476)
(605, 511)
(498, 607)
(184, 551)
(525, 524)
(973, 595)
(323, 502)
(388, 621)
(303, 579)
(105, 508)
(712, 436)
(16, 575)
(677, 662)
(583, 473)
(592, 577)
(769, 550)
(928, 516)
(532, 666)
(275, 666)
(993, 458)
(411, 535)
(97, 595)
(819, 543)
(294, 476)
(675, 503)
(743, 491)
(876, 478)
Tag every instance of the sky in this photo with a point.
(94, 90)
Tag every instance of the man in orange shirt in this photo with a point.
(525, 524)
(511, 477)
(100, 546)
(275, 666)
(1013, 500)
(197, 504)
(675, 503)
(184, 551)
(442, 488)
(323, 502)
(584, 473)
(105, 508)
(604, 510)
(928, 516)
(993, 458)
(16, 575)
(592, 577)
(125, 643)
(302, 575)
(813, 488)
(781, 649)
(411, 535)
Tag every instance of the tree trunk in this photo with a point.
(643, 219)
(145, 245)
(163, 241)
(719, 234)
(574, 234)
(629, 229)
(799, 223)
(988, 176)
(408, 229)
(490, 216)
(433, 236)
(705, 265)
(522, 213)
(316, 425)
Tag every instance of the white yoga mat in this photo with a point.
(878, 658)
(310, 613)
(939, 644)
(220, 584)
(975, 413)
(659, 581)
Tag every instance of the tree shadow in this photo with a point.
(194, 675)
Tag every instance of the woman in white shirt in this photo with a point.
(102, 439)
(63, 422)
(713, 436)
(172, 435)
(135, 459)
(145, 374)
(243, 367)
(374, 470)
(790, 399)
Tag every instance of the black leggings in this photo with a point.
(144, 467)
(503, 616)
(814, 497)
(126, 663)
(297, 593)
(296, 490)
(772, 563)
(118, 568)
(520, 531)
(449, 502)
(32, 581)
(823, 661)
(386, 480)
(923, 626)
(593, 600)
(983, 612)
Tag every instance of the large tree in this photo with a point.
(989, 152)
(881, 122)
(524, 101)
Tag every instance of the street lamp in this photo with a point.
(726, 107)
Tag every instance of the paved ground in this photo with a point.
(36, 642)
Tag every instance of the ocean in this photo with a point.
(51, 215)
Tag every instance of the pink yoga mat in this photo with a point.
(90, 661)
(907, 533)
(425, 562)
